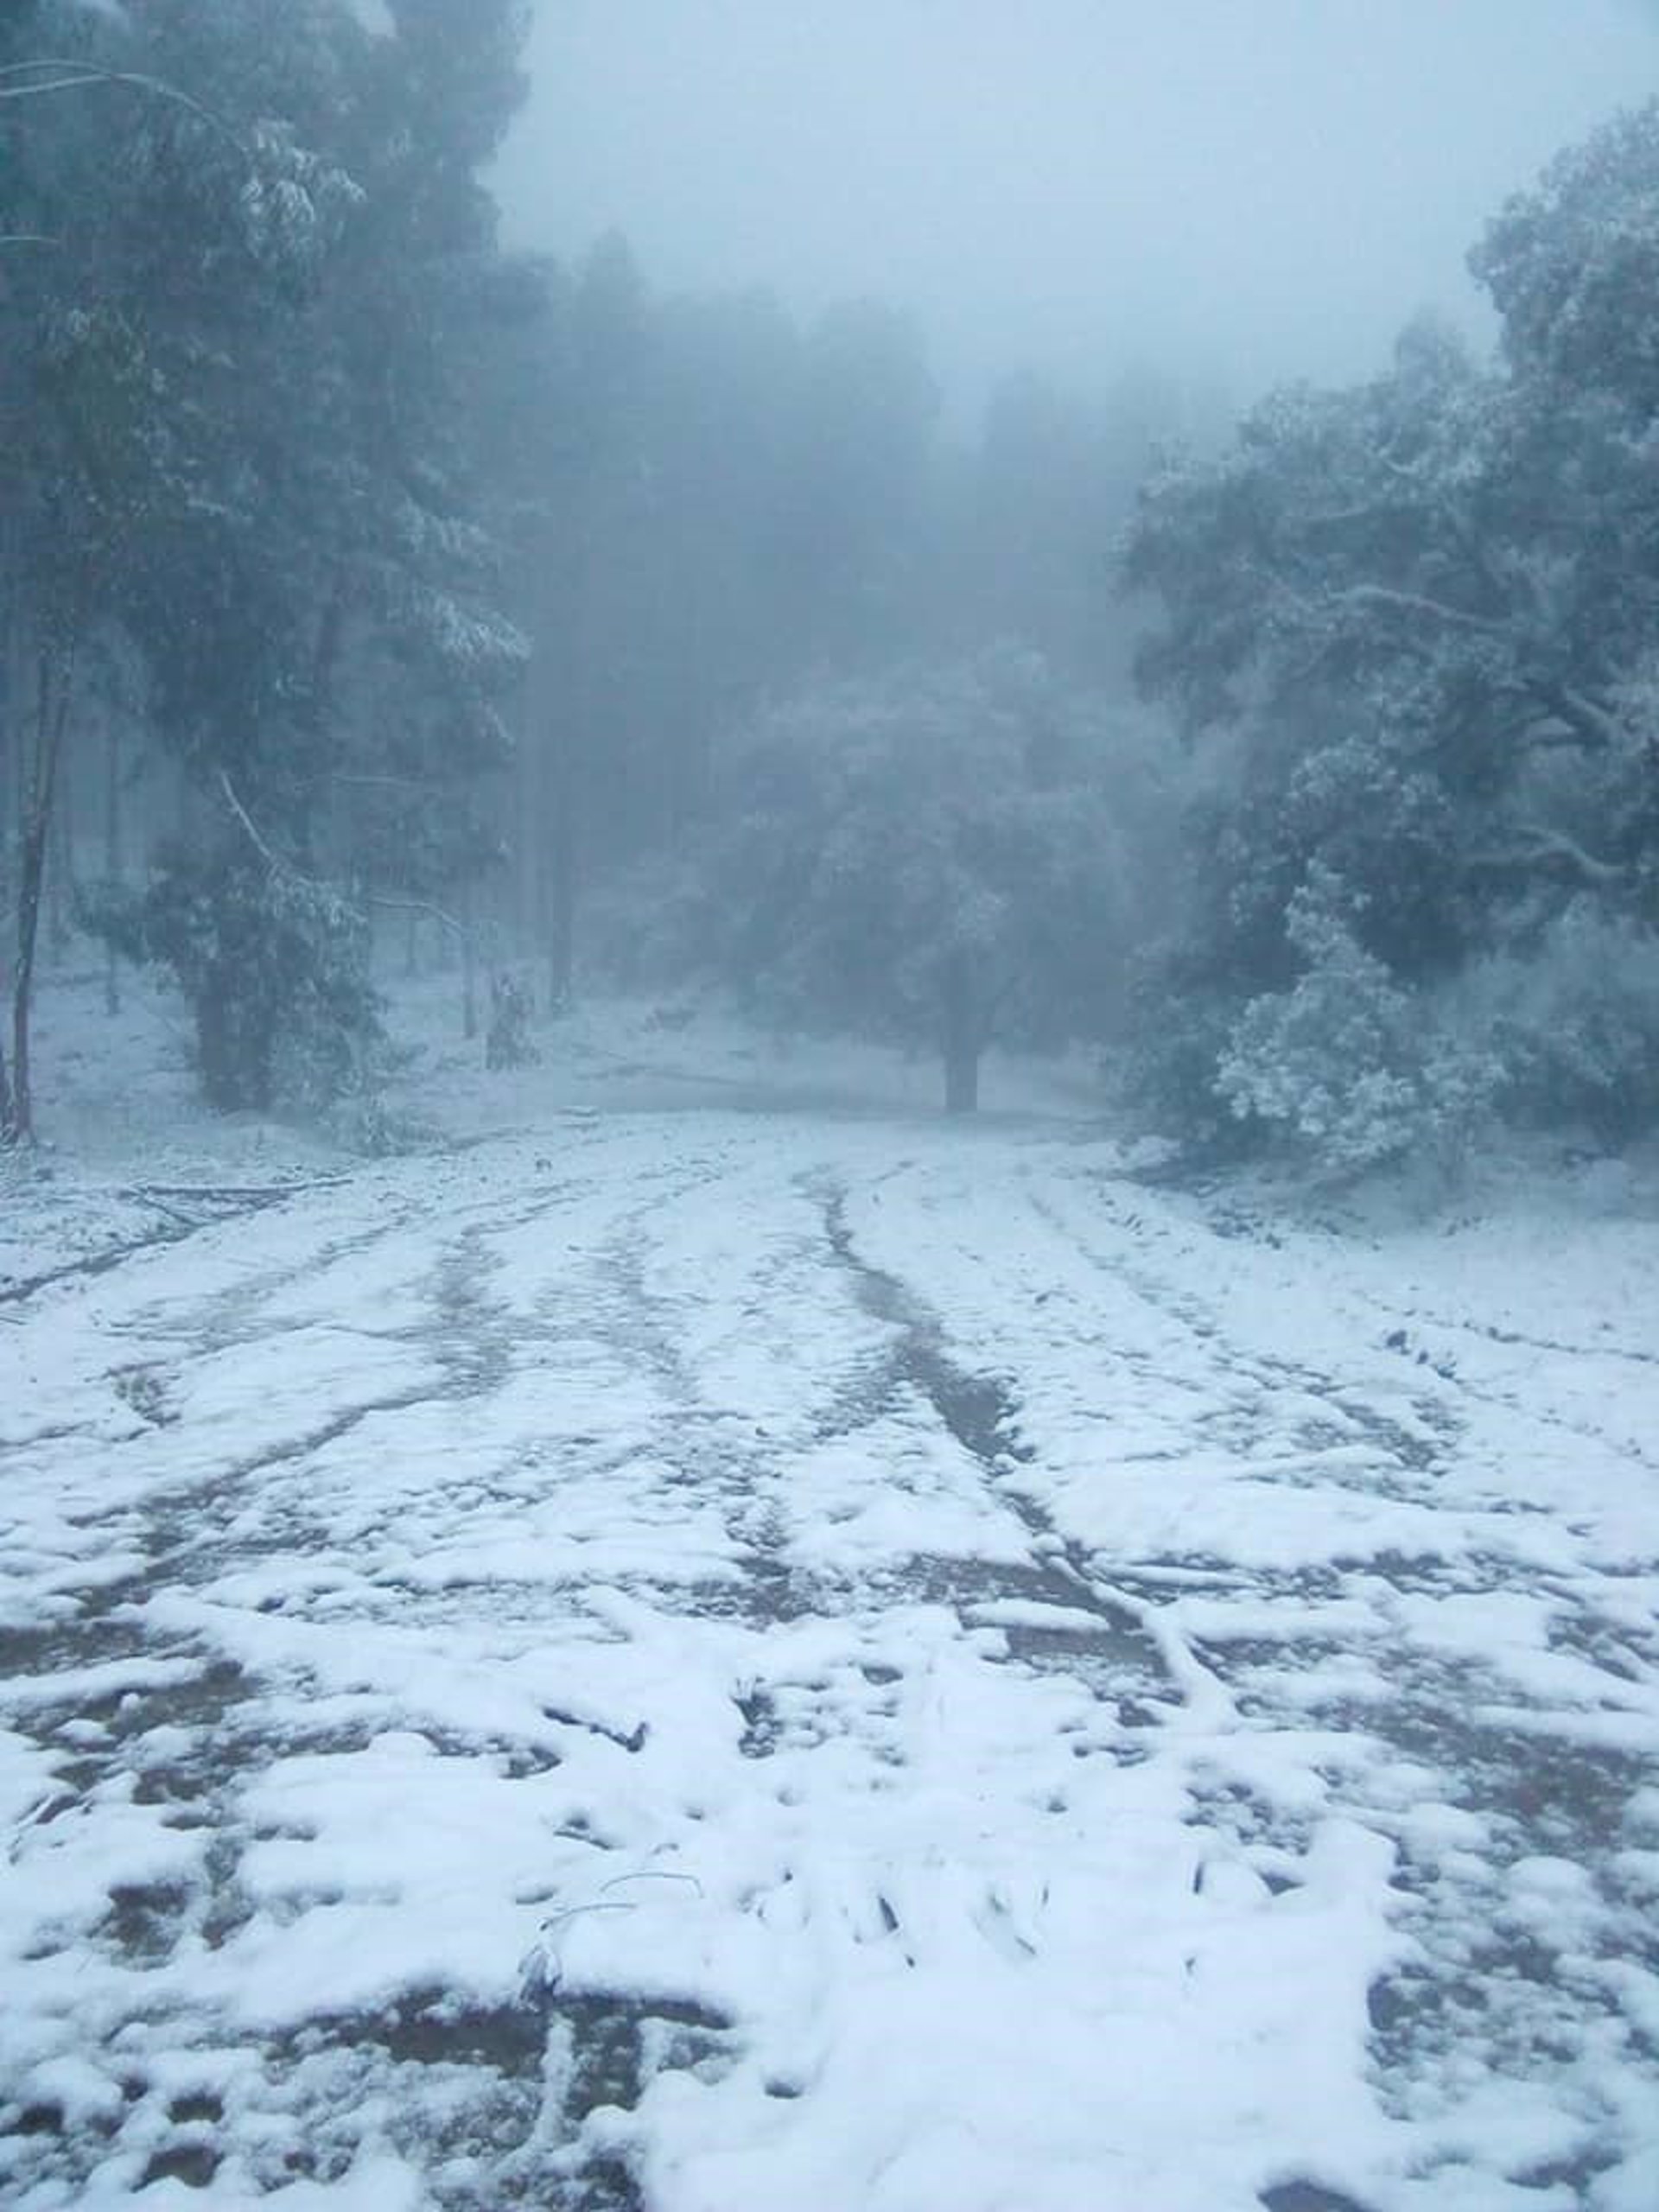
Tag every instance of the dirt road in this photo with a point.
(716, 1661)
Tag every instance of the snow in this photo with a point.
(724, 1643)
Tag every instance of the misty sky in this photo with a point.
(1240, 190)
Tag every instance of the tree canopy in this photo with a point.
(239, 450)
(1421, 616)
(928, 857)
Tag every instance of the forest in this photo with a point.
(372, 593)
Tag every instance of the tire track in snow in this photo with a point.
(641, 1304)
(1122, 1646)
(1479, 1800)
(186, 1747)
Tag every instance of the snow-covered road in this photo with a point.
(793, 1664)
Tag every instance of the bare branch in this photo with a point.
(246, 821)
(37, 85)
(1338, 517)
(1591, 723)
(1549, 737)
(1541, 846)
(70, 76)
(388, 905)
(1455, 520)
(423, 785)
(286, 870)
(1411, 603)
(461, 929)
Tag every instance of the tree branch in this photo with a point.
(1462, 529)
(1591, 723)
(1336, 518)
(274, 860)
(388, 905)
(1411, 603)
(1543, 845)
(72, 75)
(1549, 737)
(422, 786)
(242, 815)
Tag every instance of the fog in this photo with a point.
(1235, 191)
(598, 1606)
(645, 616)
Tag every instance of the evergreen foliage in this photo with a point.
(240, 447)
(273, 966)
(415, 559)
(1419, 614)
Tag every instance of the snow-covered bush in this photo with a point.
(1418, 611)
(1346, 1067)
(1575, 1024)
(1168, 1075)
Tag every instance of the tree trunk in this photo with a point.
(11, 795)
(51, 716)
(967, 1030)
(61, 868)
(12, 693)
(559, 875)
(235, 1046)
(11, 745)
(31, 877)
(524, 831)
(468, 967)
(962, 1079)
(8, 1109)
(112, 857)
(19, 772)
(10, 738)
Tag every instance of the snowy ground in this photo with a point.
(811, 1660)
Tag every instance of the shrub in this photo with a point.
(1345, 1068)
(1576, 1025)
(1178, 1031)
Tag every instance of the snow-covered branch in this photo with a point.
(1591, 723)
(23, 80)
(386, 905)
(1411, 603)
(1538, 847)
(247, 821)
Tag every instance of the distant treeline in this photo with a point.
(358, 576)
